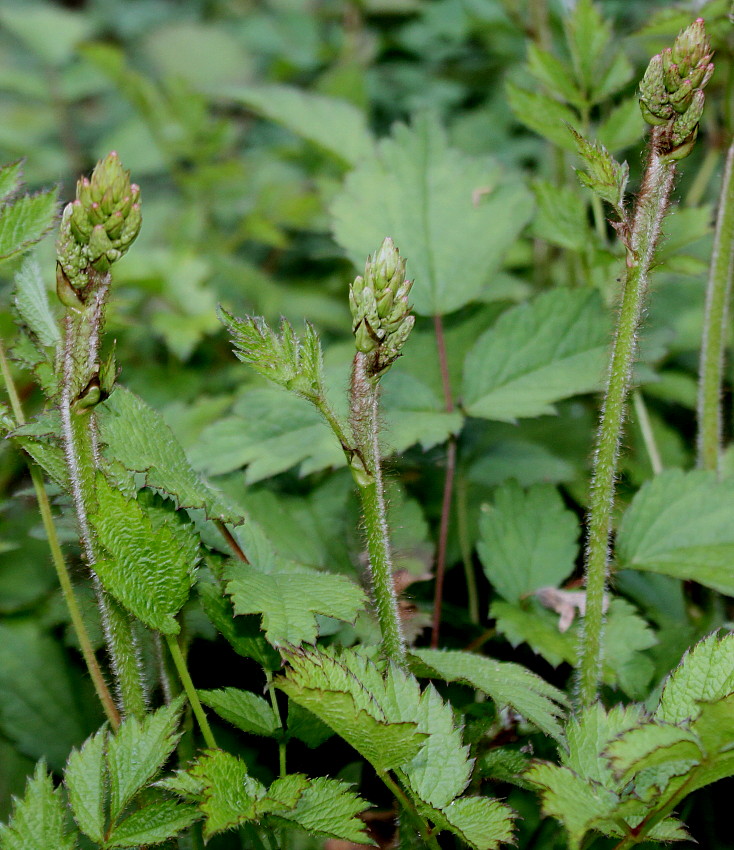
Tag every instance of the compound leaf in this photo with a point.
(679, 524)
(537, 354)
(157, 821)
(243, 709)
(450, 214)
(138, 437)
(287, 595)
(38, 821)
(31, 302)
(25, 221)
(528, 540)
(86, 779)
(137, 751)
(482, 823)
(506, 683)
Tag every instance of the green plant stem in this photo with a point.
(410, 810)
(276, 711)
(57, 556)
(188, 685)
(367, 471)
(81, 450)
(648, 437)
(651, 206)
(715, 327)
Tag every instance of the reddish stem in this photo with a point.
(448, 485)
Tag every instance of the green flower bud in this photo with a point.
(381, 320)
(671, 91)
(100, 225)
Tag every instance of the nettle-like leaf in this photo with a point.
(537, 354)
(604, 175)
(395, 726)
(626, 637)
(334, 125)
(25, 220)
(679, 524)
(561, 217)
(137, 437)
(243, 709)
(506, 683)
(229, 797)
(151, 566)
(528, 540)
(542, 114)
(31, 302)
(452, 215)
(289, 596)
(293, 363)
(38, 820)
(110, 771)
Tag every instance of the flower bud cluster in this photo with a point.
(671, 92)
(101, 224)
(381, 318)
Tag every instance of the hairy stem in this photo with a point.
(651, 206)
(716, 325)
(367, 471)
(79, 369)
(410, 810)
(188, 685)
(57, 556)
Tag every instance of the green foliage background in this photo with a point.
(276, 144)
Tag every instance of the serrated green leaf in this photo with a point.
(588, 736)
(10, 179)
(327, 807)
(38, 821)
(423, 194)
(536, 627)
(85, 778)
(554, 74)
(542, 115)
(39, 694)
(152, 568)
(276, 432)
(31, 302)
(287, 595)
(652, 745)
(352, 701)
(138, 437)
(243, 709)
(561, 216)
(243, 633)
(706, 672)
(137, 751)
(332, 124)
(230, 794)
(293, 363)
(588, 36)
(604, 175)
(679, 524)
(154, 823)
(537, 354)
(483, 823)
(572, 800)
(528, 540)
(25, 221)
(506, 683)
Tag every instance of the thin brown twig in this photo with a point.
(231, 541)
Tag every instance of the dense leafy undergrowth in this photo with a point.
(448, 565)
